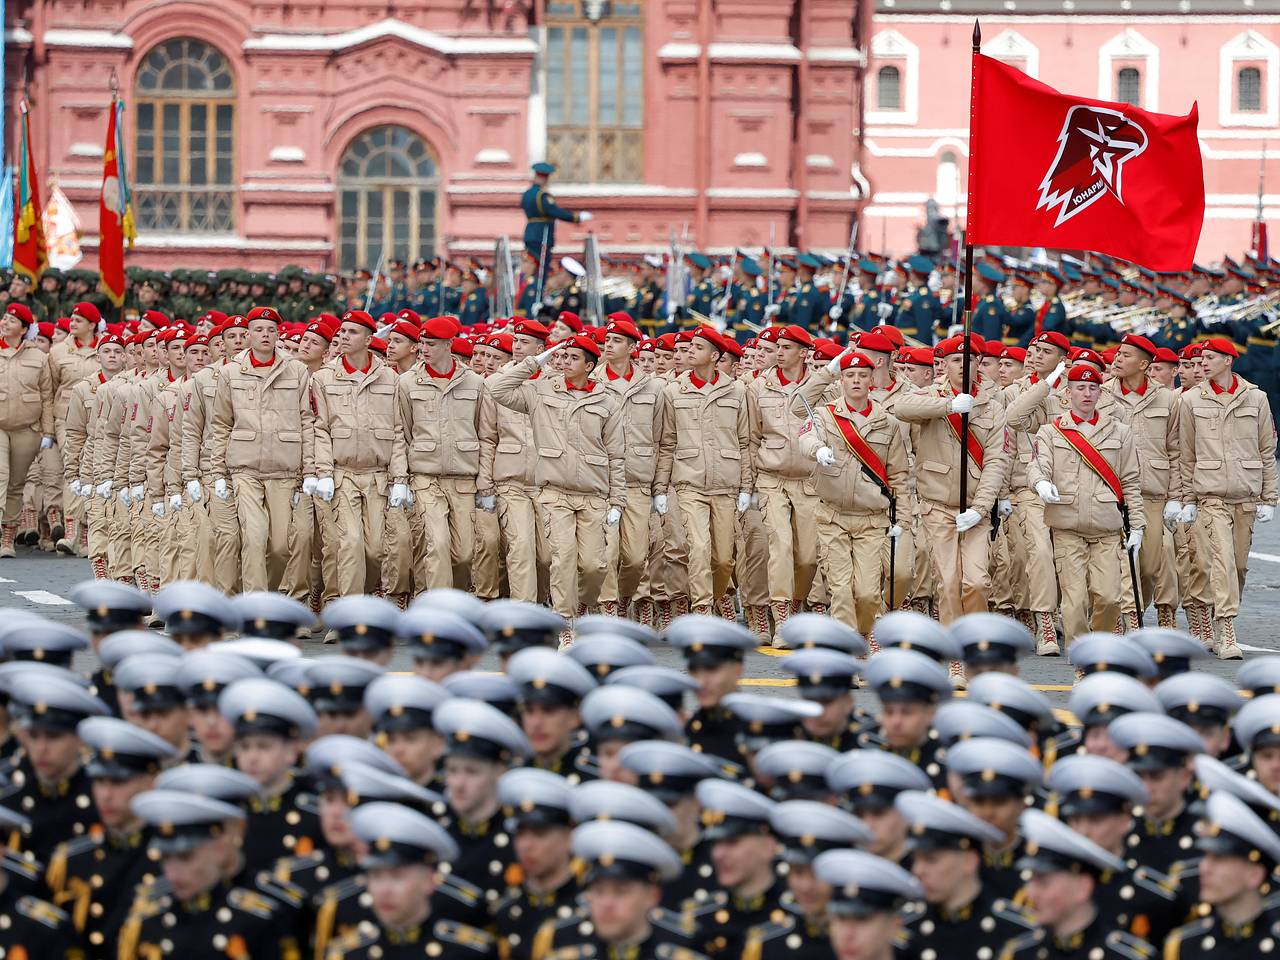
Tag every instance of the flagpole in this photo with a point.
(968, 276)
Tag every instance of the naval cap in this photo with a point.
(603, 653)
(1230, 829)
(337, 684)
(18, 673)
(667, 770)
(1109, 653)
(474, 728)
(822, 674)
(364, 784)
(363, 623)
(731, 810)
(899, 676)
(1101, 697)
(1260, 676)
(203, 674)
(327, 757)
(182, 821)
(610, 800)
(267, 613)
(1213, 776)
(41, 640)
(534, 798)
(991, 767)
(909, 630)
(990, 638)
(797, 769)
(1013, 697)
(110, 605)
(263, 651)
(210, 780)
(624, 851)
(400, 702)
(451, 600)
(396, 835)
(1053, 847)
(43, 701)
(709, 641)
(594, 623)
(121, 751)
(190, 608)
(153, 681)
(545, 676)
(872, 779)
(259, 705)
(1199, 699)
(937, 824)
(666, 683)
(495, 689)
(766, 719)
(617, 712)
(513, 624)
(437, 635)
(805, 631)
(1155, 741)
(807, 828)
(119, 646)
(1257, 724)
(863, 884)
(1172, 650)
(959, 720)
(292, 673)
(1087, 785)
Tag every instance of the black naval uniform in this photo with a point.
(92, 878)
(979, 929)
(280, 826)
(1141, 901)
(1098, 941)
(714, 731)
(1212, 938)
(35, 929)
(793, 936)
(487, 856)
(57, 812)
(671, 937)
(696, 882)
(521, 913)
(1160, 845)
(999, 871)
(436, 939)
(725, 920)
(225, 921)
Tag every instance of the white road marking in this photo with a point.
(1269, 557)
(7, 580)
(44, 597)
(1252, 648)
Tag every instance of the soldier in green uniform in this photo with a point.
(398, 281)
(51, 293)
(1022, 318)
(20, 292)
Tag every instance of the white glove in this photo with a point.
(1047, 492)
(833, 365)
(660, 504)
(1172, 510)
(825, 456)
(221, 490)
(744, 501)
(772, 310)
(324, 488)
(584, 216)
(1135, 540)
(1053, 378)
(545, 355)
(124, 496)
(1004, 507)
(194, 491)
(157, 508)
(309, 485)
(175, 502)
(895, 532)
(46, 442)
(536, 308)
(104, 489)
(138, 492)
(1265, 512)
(1188, 514)
(962, 403)
(613, 516)
(487, 504)
(399, 495)
(836, 312)
(74, 487)
(967, 520)
(297, 497)
(884, 310)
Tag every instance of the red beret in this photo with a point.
(440, 328)
(826, 349)
(215, 317)
(769, 335)
(236, 321)
(711, 335)
(1054, 339)
(45, 329)
(879, 342)
(500, 341)
(410, 315)
(620, 315)
(464, 348)
(1085, 355)
(1017, 354)
(893, 333)
(1109, 355)
(922, 356)
(731, 347)
(1141, 342)
(1083, 373)
(530, 328)
(856, 360)
(684, 336)
(328, 318)
(110, 338)
(648, 345)
(360, 317)
(584, 343)
(21, 311)
(64, 324)
(1192, 351)
(199, 340)
(378, 346)
(571, 320)
(796, 334)
(156, 318)
(666, 341)
(993, 349)
(87, 310)
(955, 345)
(265, 313)
(406, 329)
(622, 325)
(1220, 345)
(750, 342)
(1165, 355)
(322, 330)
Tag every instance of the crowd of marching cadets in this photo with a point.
(205, 790)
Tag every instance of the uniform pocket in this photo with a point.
(243, 434)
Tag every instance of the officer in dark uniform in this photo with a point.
(119, 647)
(335, 687)
(749, 300)
(868, 894)
(35, 639)
(806, 829)
(1206, 703)
(1051, 315)
(1173, 652)
(50, 785)
(1064, 869)
(961, 916)
(766, 720)
(714, 651)
(541, 213)
(625, 869)
(475, 300)
(827, 677)
(29, 926)
(551, 691)
(872, 306)
(149, 684)
(1106, 653)
(1022, 317)
(194, 613)
(616, 715)
(202, 676)
(1031, 710)
(401, 709)
(910, 686)
(1098, 700)
(196, 906)
(806, 305)
(1241, 853)
(868, 783)
(91, 876)
(701, 289)
(989, 315)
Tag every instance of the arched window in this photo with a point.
(888, 89)
(594, 79)
(1249, 90)
(1129, 86)
(387, 184)
(947, 191)
(184, 155)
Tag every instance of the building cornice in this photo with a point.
(398, 29)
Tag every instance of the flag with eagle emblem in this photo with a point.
(1047, 169)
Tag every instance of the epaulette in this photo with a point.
(1025, 942)
(250, 902)
(284, 892)
(1007, 910)
(22, 867)
(715, 900)
(672, 951)
(575, 952)
(771, 929)
(465, 892)
(1173, 943)
(1128, 946)
(76, 846)
(363, 934)
(463, 935)
(286, 867)
(871, 739)
(512, 895)
(41, 911)
(1153, 881)
(307, 803)
(681, 922)
(350, 887)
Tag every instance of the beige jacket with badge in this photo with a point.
(164, 450)
(197, 422)
(706, 442)
(355, 418)
(26, 390)
(1228, 445)
(440, 422)
(262, 420)
(1153, 417)
(577, 434)
(644, 409)
(845, 485)
(775, 430)
(68, 365)
(1029, 405)
(79, 428)
(1088, 506)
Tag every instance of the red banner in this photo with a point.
(30, 252)
(115, 209)
(1048, 169)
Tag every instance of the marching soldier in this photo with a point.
(71, 361)
(714, 654)
(551, 692)
(868, 894)
(30, 926)
(909, 686)
(26, 417)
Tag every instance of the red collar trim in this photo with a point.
(1078, 420)
(102, 377)
(441, 376)
(699, 383)
(255, 362)
(892, 384)
(1231, 389)
(867, 411)
(1140, 391)
(91, 343)
(585, 388)
(608, 372)
(346, 365)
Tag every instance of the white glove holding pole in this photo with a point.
(1135, 540)
(221, 490)
(193, 491)
(895, 532)
(836, 312)
(1047, 492)
(309, 485)
(884, 310)
(967, 520)
(1172, 510)
(660, 504)
(612, 517)
(744, 500)
(1188, 514)
(175, 502)
(324, 489)
(1004, 507)
(825, 456)
(399, 495)
(962, 403)
(1053, 378)
(157, 508)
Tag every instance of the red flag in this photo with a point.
(115, 208)
(1048, 169)
(30, 253)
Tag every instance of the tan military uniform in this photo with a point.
(69, 364)
(113, 413)
(77, 460)
(218, 516)
(164, 475)
(513, 461)
(26, 415)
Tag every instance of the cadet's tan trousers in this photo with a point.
(789, 511)
(224, 531)
(709, 532)
(18, 448)
(852, 548)
(1093, 575)
(358, 513)
(1222, 534)
(961, 561)
(445, 507)
(627, 547)
(1033, 552)
(518, 520)
(265, 509)
(573, 524)
(486, 567)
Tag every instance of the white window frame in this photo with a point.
(1011, 47)
(1247, 49)
(1130, 47)
(892, 49)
